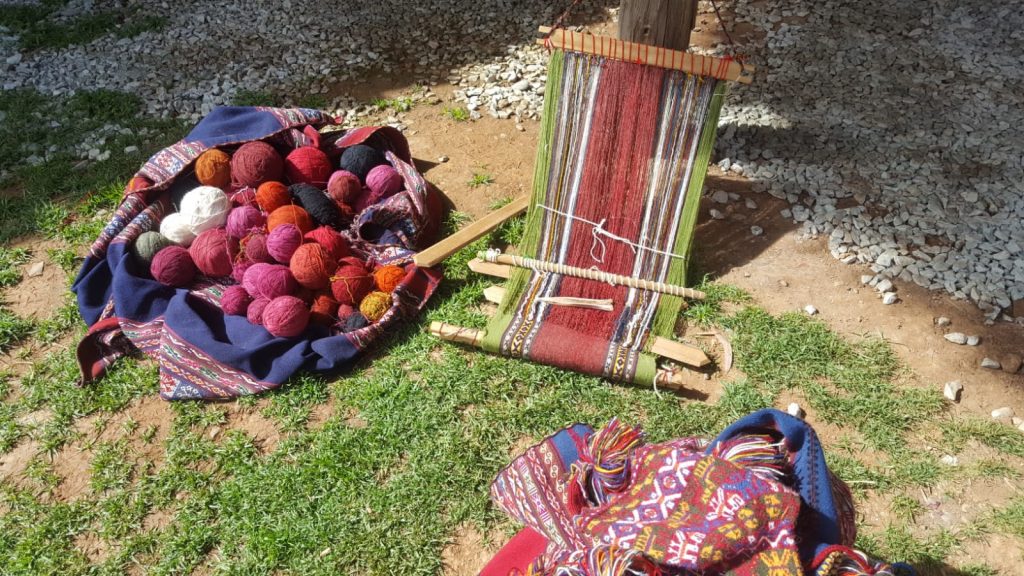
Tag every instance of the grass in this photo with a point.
(480, 179)
(457, 114)
(36, 29)
(402, 104)
(11, 261)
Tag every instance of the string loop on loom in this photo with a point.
(599, 234)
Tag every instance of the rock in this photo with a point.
(942, 322)
(889, 298)
(810, 310)
(950, 460)
(1002, 413)
(1011, 363)
(952, 390)
(866, 279)
(884, 285)
(1021, 427)
(956, 337)
(795, 410)
(716, 215)
(442, 159)
(1016, 421)
(131, 149)
(973, 340)
(14, 59)
(214, 432)
(756, 230)
(750, 204)
(783, 283)
(989, 363)
(36, 269)
(720, 197)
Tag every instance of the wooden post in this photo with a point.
(665, 23)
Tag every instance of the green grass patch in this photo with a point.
(37, 29)
(1011, 518)
(402, 104)
(11, 261)
(480, 179)
(457, 114)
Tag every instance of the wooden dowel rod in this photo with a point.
(473, 337)
(588, 274)
(460, 239)
(689, 355)
(616, 49)
(490, 268)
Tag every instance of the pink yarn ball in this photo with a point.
(243, 219)
(383, 181)
(344, 187)
(335, 244)
(344, 312)
(239, 268)
(286, 316)
(252, 275)
(254, 314)
(235, 301)
(173, 266)
(255, 248)
(283, 241)
(214, 252)
(276, 281)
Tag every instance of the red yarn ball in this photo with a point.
(290, 215)
(283, 241)
(214, 252)
(336, 244)
(388, 277)
(345, 311)
(255, 163)
(272, 195)
(323, 310)
(312, 266)
(308, 165)
(244, 197)
(235, 301)
(254, 246)
(275, 281)
(254, 313)
(350, 284)
(286, 316)
(173, 266)
(344, 186)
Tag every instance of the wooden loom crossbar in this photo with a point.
(615, 49)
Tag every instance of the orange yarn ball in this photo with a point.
(312, 266)
(324, 309)
(375, 305)
(290, 215)
(388, 277)
(213, 168)
(272, 195)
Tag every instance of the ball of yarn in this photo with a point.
(147, 245)
(213, 168)
(214, 252)
(254, 314)
(173, 266)
(251, 275)
(205, 208)
(254, 247)
(255, 163)
(290, 215)
(374, 305)
(346, 213)
(283, 241)
(336, 244)
(177, 229)
(244, 197)
(345, 311)
(388, 277)
(235, 301)
(344, 186)
(360, 159)
(319, 207)
(384, 181)
(239, 268)
(312, 266)
(323, 309)
(243, 220)
(350, 284)
(272, 195)
(355, 322)
(276, 281)
(286, 316)
(138, 183)
(308, 165)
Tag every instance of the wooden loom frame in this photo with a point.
(720, 68)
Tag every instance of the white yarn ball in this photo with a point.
(177, 229)
(205, 208)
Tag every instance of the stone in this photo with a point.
(1010, 363)
(795, 410)
(950, 460)
(442, 159)
(952, 390)
(973, 340)
(36, 269)
(756, 230)
(784, 283)
(1002, 413)
(717, 215)
(890, 298)
(884, 285)
(720, 197)
(989, 363)
(956, 338)
(214, 432)
(750, 204)
(866, 279)
(810, 310)
(1016, 421)
(942, 322)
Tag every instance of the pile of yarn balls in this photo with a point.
(267, 227)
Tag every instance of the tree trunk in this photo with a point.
(665, 23)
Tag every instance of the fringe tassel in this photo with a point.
(758, 452)
(604, 468)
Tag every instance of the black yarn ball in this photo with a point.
(354, 322)
(320, 208)
(360, 159)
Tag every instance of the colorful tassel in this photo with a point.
(757, 452)
(603, 469)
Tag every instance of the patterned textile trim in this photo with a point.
(170, 161)
(145, 335)
(129, 208)
(182, 364)
(294, 116)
